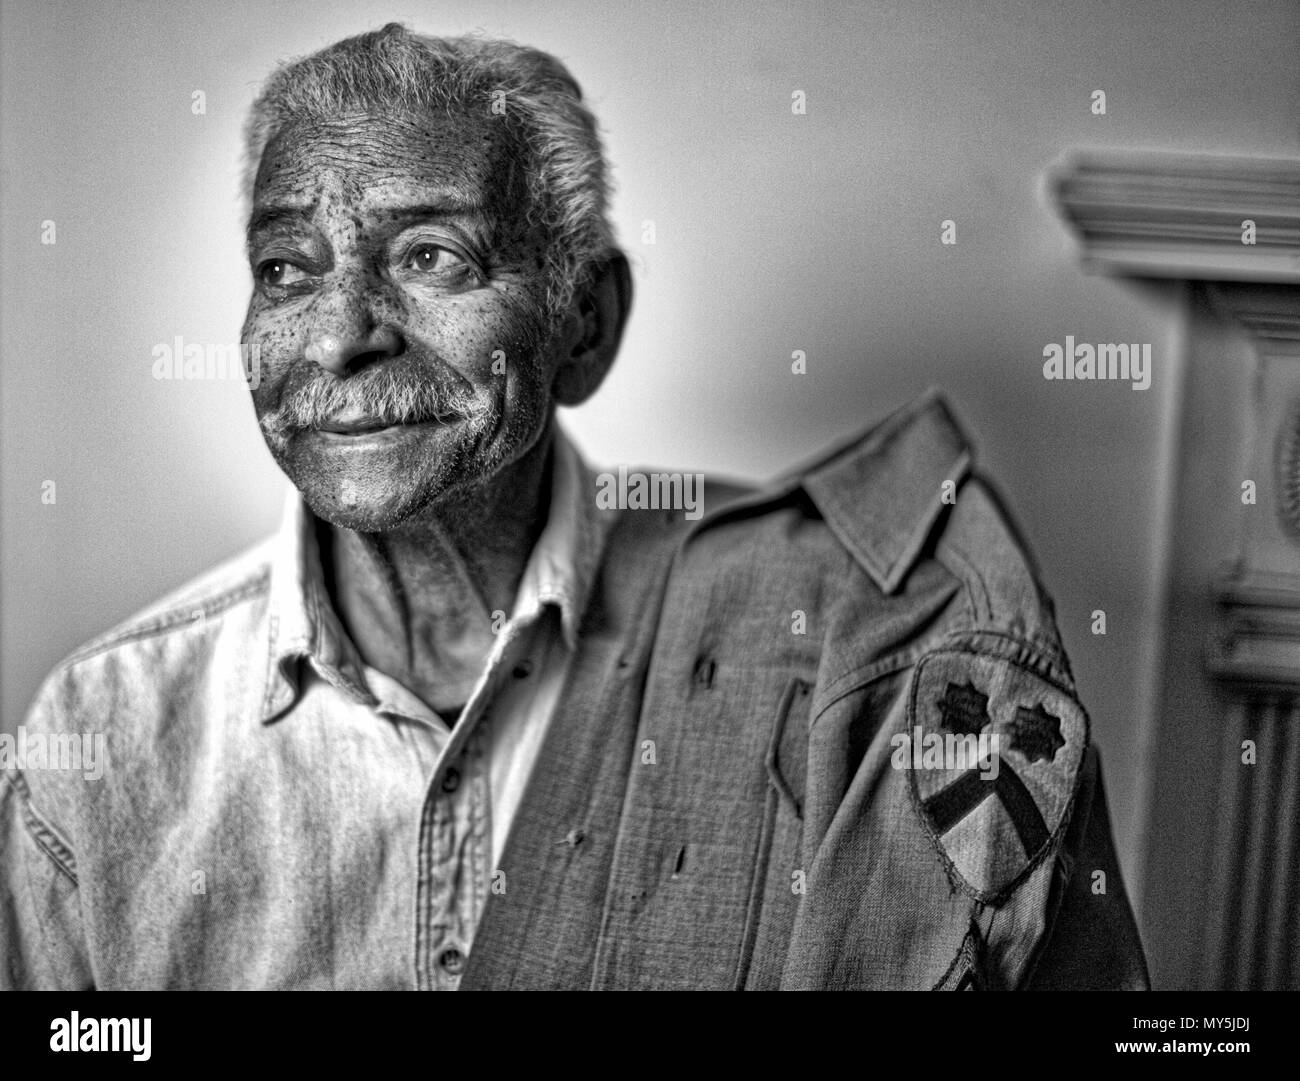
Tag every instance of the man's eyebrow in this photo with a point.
(268, 217)
(450, 208)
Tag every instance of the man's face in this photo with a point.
(397, 312)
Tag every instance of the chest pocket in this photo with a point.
(787, 753)
(778, 879)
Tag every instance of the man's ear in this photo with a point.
(596, 323)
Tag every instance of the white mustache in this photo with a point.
(386, 400)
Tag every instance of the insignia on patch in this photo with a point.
(964, 710)
(993, 750)
(1036, 733)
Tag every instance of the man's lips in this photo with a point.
(367, 431)
(355, 427)
(354, 422)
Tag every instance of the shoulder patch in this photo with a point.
(993, 750)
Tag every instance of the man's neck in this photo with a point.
(418, 601)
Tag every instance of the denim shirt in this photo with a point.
(265, 810)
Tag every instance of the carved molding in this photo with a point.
(1269, 311)
(1287, 460)
(1257, 640)
(1180, 216)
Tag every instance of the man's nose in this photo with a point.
(347, 336)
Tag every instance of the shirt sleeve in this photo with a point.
(1093, 943)
(41, 940)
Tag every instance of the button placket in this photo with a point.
(456, 829)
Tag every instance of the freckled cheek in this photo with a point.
(486, 348)
(279, 341)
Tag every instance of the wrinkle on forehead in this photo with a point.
(364, 163)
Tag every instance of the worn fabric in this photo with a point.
(274, 812)
(722, 798)
(718, 805)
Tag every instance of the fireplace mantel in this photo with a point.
(1181, 216)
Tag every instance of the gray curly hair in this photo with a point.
(557, 136)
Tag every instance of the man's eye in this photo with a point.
(279, 272)
(430, 258)
(443, 260)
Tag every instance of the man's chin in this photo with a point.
(360, 512)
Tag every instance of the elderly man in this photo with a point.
(461, 725)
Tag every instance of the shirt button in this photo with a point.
(453, 961)
(451, 780)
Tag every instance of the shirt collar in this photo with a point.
(563, 563)
(303, 624)
(882, 491)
